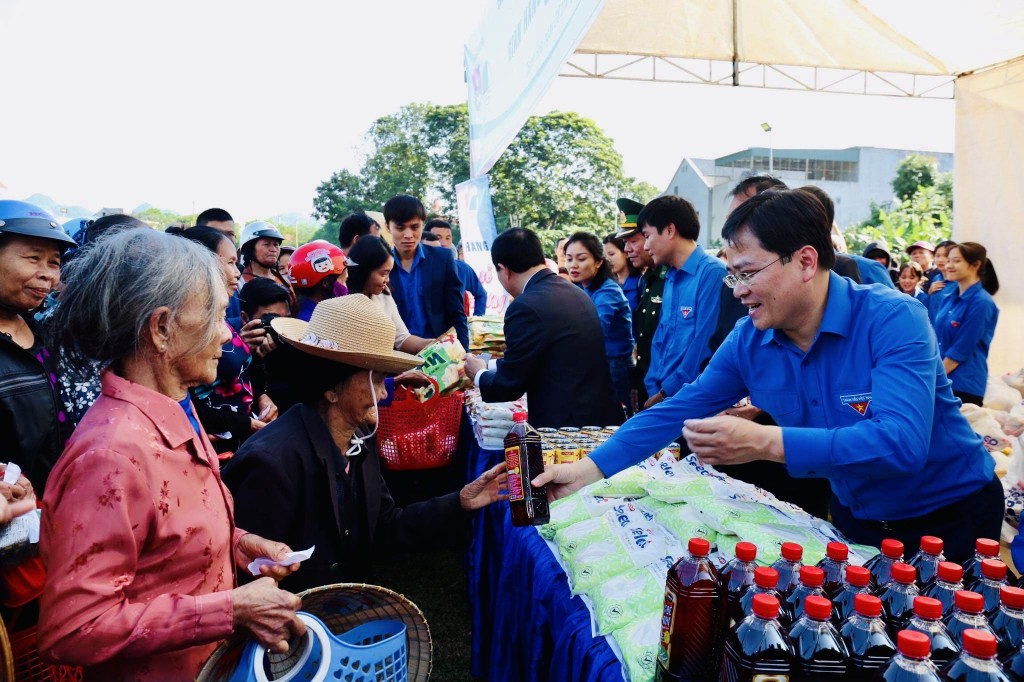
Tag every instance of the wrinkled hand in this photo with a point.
(732, 440)
(253, 334)
(936, 286)
(12, 510)
(473, 365)
(414, 378)
(267, 613)
(251, 547)
(654, 400)
(267, 409)
(491, 486)
(21, 489)
(255, 425)
(565, 479)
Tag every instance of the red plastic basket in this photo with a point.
(414, 435)
(29, 667)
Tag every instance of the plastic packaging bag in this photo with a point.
(638, 643)
(634, 595)
(575, 508)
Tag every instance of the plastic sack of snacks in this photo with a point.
(442, 360)
(575, 508)
(627, 483)
(682, 520)
(632, 596)
(624, 538)
(638, 644)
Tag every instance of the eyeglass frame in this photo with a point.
(745, 278)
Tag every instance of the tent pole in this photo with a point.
(735, 46)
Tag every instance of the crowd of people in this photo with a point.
(183, 402)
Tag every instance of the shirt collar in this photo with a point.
(971, 292)
(319, 434)
(694, 261)
(838, 317)
(165, 413)
(417, 257)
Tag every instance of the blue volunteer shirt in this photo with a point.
(471, 283)
(411, 304)
(872, 272)
(689, 314)
(964, 325)
(868, 406)
(616, 318)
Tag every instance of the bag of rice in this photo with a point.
(575, 508)
(638, 644)
(632, 596)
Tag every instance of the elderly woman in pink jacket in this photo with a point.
(138, 536)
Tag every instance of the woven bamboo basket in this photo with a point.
(341, 607)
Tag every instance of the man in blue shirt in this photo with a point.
(424, 282)
(690, 301)
(470, 282)
(851, 374)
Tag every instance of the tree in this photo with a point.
(335, 198)
(913, 172)
(161, 220)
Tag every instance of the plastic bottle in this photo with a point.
(947, 582)
(738, 573)
(927, 559)
(858, 581)
(788, 565)
(1008, 620)
(993, 577)
(968, 614)
(758, 648)
(866, 639)
(834, 564)
(524, 460)
(898, 596)
(819, 651)
(927, 619)
(765, 582)
(977, 662)
(880, 565)
(912, 663)
(1014, 663)
(811, 580)
(984, 548)
(693, 618)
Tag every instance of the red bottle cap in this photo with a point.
(812, 576)
(993, 569)
(932, 544)
(904, 573)
(766, 606)
(1013, 597)
(767, 578)
(837, 551)
(858, 576)
(913, 644)
(868, 605)
(792, 551)
(518, 417)
(969, 602)
(892, 548)
(929, 608)
(817, 607)
(699, 547)
(950, 572)
(746, 551)
(986, 547)
(979, 643)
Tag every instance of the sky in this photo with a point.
(250, 105)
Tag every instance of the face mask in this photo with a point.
(357, 441)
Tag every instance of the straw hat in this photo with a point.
(350, 329)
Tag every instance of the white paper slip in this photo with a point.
(12, 473)
(291, 558)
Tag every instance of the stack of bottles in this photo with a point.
(925, 619)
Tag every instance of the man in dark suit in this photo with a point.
(424, 282)
(555, 345)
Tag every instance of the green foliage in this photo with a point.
(327, 232)
(161, 220)
(560, 174)
(913, 172)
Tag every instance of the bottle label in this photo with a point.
(665, 648)
(514, 467)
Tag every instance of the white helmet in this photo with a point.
(259, 229)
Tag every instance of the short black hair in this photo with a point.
(758, 183)
(784, 221)
(437, 222)
(207, 236)
(660, 212)
(403, 208)
(826, 202)
(216, 215)
(109, 224)
(430, 237)
(518, 249)
(354, 225)
(262, 291)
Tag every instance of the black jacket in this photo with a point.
(555, 355)
(285, 483)
(30, 410)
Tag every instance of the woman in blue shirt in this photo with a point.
(584, 259)
(623, 272)
(966, 320)
(910, 281)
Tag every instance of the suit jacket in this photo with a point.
(285, 483)
(555, 354)
(440, 294)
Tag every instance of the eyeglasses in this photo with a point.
(745, 278)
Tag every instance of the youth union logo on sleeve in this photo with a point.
(686, 310)
(857, 401)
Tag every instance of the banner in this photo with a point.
(518, 50)
(476, 224)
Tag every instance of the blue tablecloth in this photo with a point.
(526, 624)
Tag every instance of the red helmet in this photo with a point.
(314, 261)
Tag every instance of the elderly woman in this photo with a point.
(313, 476)
(139, 535)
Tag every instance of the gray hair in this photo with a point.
(113, 287)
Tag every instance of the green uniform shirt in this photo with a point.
(646, 316)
